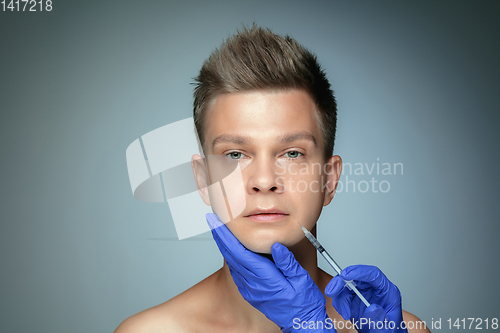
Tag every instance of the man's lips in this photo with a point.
(272, 210)
(266, 215)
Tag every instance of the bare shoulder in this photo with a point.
(414, 324)
(166, 317)
(183, 313)
(151, 320)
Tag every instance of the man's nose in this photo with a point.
(263, 177)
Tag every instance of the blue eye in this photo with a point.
(293, 154)
(235, 155)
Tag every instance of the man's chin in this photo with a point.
(260, 248)
(263, 243)
(259, 244)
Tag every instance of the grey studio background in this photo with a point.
(417, 83)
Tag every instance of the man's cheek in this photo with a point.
(227, 191)
(301, 184)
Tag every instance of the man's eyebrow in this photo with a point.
(236, 139)
(298, 136)
(241, 140)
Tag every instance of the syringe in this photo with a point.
(350, 284)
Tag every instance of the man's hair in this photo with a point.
(258, 59)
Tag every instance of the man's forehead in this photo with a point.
(262, 117)
(270, 111)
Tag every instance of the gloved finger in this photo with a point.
(241, 283)
(213, 221)
(334, 287)
(228, 253)
(227, 242)
(248, 282)
(289, 266)
(247, 262)
(389, 296)
(365, 273)
(376, 315)
(216, 226)
(374, 312)
(254, 292)
(341, 297)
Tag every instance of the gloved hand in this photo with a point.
(384, 298)
(283, 291)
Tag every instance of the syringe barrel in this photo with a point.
(349, 284)
(330, 260)
(322, 251)
(314, 241)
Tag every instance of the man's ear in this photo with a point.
(334, 169)
(200, 173)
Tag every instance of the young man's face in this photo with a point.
(277, 141)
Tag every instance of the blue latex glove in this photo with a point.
(282, 291)
(384, 298)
